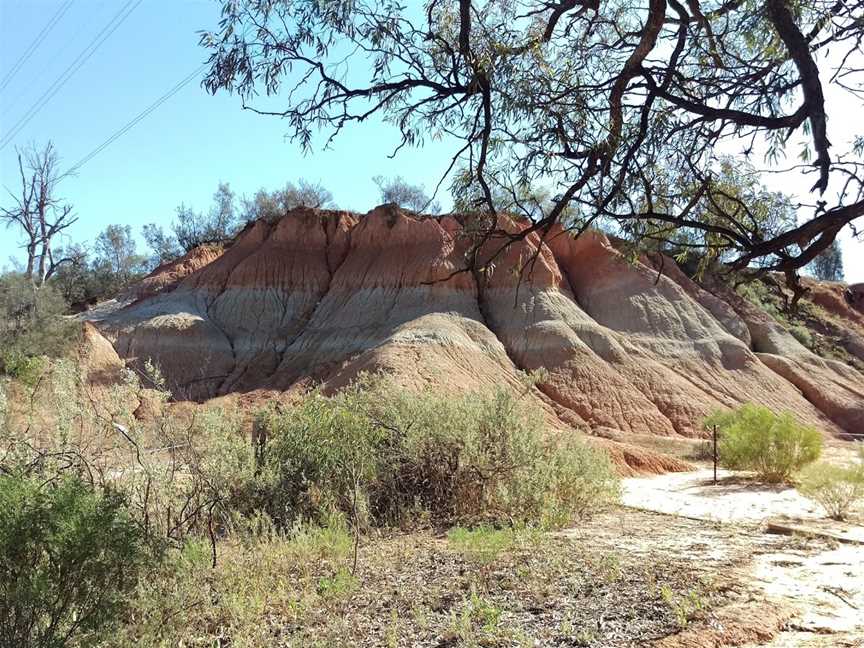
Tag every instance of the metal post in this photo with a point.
(715, 454)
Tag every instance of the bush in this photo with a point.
(385, 455)
(775, 446)
(27, 369)
(32, 324)
(68, 558)
(835, 488)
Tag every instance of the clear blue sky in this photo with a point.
(182, 150)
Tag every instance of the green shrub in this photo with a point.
(27, 369)
(32, 323)
(383, 455)
(835, 488)
(68, 558)
(802, 334)
(775, 446)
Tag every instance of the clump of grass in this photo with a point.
(835, 488)
(685, 607)
(484, 544)
(775, 446)
(802, 334)
(291, 575)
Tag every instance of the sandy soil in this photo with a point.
(723, 528)
(732, 499)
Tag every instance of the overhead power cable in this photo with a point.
(76, 64)
(131, 124)
(25, 56)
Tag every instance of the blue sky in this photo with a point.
(182, 150)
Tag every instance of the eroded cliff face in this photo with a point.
(324, 295)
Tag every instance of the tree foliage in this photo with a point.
(31, 322)
(118, 263)
(273, 205)
(828, 266)
(101, 270)
(163, 246)
(217, 225)
(400, 191)
(619, 108)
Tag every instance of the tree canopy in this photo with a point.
(400, 191)
(828, 266)
(622, 109)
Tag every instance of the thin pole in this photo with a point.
(715, 454)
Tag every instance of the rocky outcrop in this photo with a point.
(855, 296)
(324, 295)
(167, 276)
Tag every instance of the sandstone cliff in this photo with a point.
(323, 295)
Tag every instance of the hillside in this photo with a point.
(628, 347)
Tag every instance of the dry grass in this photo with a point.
(469, 588)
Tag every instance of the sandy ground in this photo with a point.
(732, 499)
(821, 581)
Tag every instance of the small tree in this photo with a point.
(74, 279)
(218, 225)
(398, 190)
(828, 266)
(775, 446)
(163, 246)
(117, 263)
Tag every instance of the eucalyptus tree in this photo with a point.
(621, 109)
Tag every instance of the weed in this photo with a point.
(337, 586)
(686, 607)
(482, 545)
(835, 488)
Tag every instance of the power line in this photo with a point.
(131, 124)
(79, 61)
(35, 44)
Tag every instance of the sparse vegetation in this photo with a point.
(270, 206)
(272, 528)
(484, 544)
(775, 446)
(384, 455)
(31, 326)
(399, 191)
(802, 334)
(836, 488)
(820, 332)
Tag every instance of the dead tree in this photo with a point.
(37, 212)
